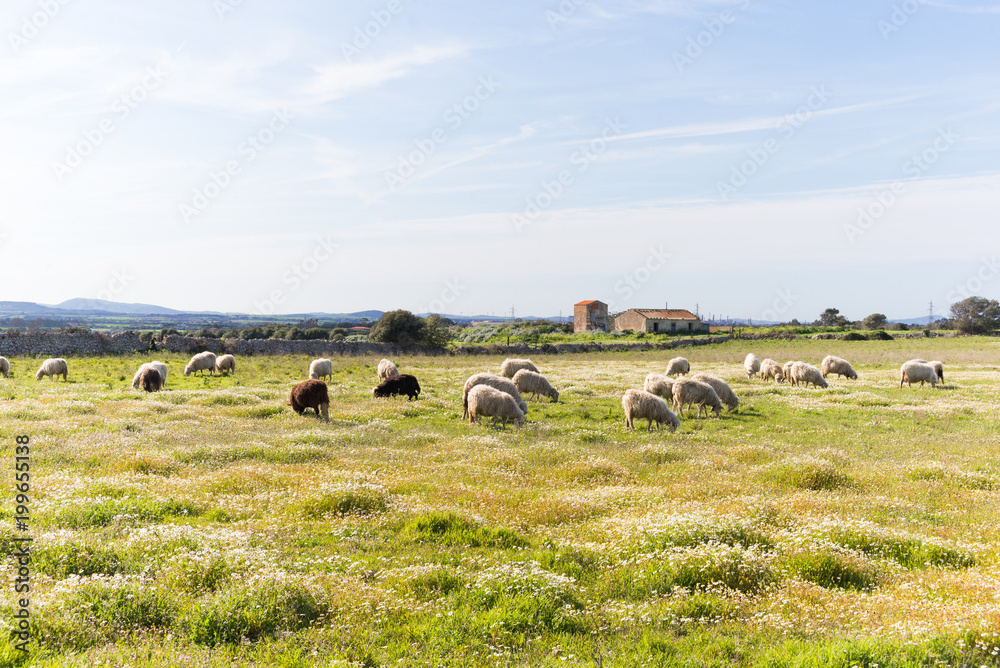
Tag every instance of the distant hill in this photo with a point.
(922, 320)
(27, 308)
(115, 307)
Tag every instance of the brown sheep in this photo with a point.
(311, 394)
(150, 379)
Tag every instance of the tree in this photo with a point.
(397, 327)
(875, 321)
(437, 332)
(832, 318)
(976, 315)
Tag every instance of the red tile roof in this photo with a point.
(589, 301)
(666, 314)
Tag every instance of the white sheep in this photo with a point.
(53, 367)
(660, 385)
(721, 387)
(531, 382)
(159, 366)
(512, 365)
(786, 371)
(677, 366)
(496, 382)
(807, 374)
(914, 371)
(751, 365)
(321, 368)
(225, 363)
(688, 391)
(201, 362)
(4, 366)
(386, 370)
(938, 368)
(639, 405)
(839, 366)
(486, 401)
(771, 369)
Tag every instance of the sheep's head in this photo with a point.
(554, 396)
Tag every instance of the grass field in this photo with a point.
(210, 525)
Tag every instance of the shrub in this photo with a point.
(255, 612)
(355, 501)
(833, 569)
(448, 528)
(810, 473)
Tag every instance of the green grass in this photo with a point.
(209, 525)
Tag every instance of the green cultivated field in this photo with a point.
(209, 525)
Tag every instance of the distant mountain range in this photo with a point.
(88, 309)
(114, 307)
(922, 320)
(76, 309)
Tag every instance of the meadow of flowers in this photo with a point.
(209, 525)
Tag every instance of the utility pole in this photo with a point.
(930, 315)
(511, 323)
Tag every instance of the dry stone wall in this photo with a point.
(58, 344)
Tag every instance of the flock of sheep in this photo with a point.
(709, 392)
(499, 396)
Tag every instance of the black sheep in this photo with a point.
(405, 384)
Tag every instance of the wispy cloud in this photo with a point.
(339, 79)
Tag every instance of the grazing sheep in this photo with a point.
(752, 365)
(688, 391)
(807, 374)
(938, 368)
(387, 370)
(839, 366)
(321, 368)
(4, 366)
(162, 368)
(201, 362)
(639, 404)
(786, 370)
(150, 379)
(677, 366)
(771, 369)
(159, 366)
(486, 401)
(512, 365)
(225, 363)
(660, 385)
(312, 394)
(531, 382)
(914, 371)
(496, 382)
(721, 387)
(53, 367)
(403, 384)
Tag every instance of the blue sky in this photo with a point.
(761, 159)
